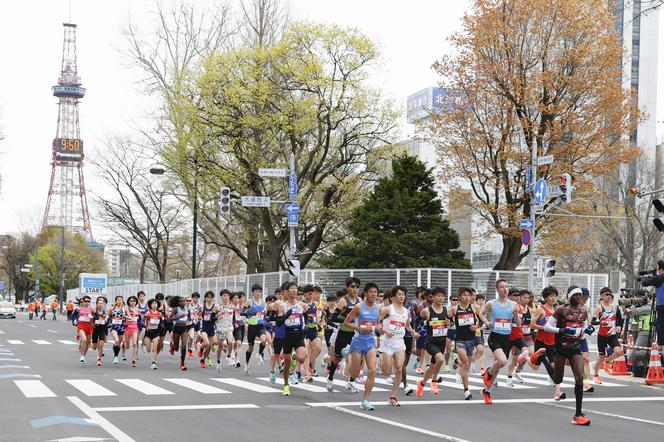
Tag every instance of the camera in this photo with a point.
(648, 272)
(632, 298)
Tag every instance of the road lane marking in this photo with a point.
(340, 383)
(14, 366)
(41, 342)
(89, 388)
(15, 341)
(196, 386)
(604, 413)
(532, 381)
(31, 325)
(19, 375)
(57, 420)
(10, 359)
(6, 354)
(52, 331)
(570, 380)
(400, 425)
(144, 387)
(2, 332)
(474, 380)
(67, 342)
(301, 386)
(177, 407)
(444, 383)
(34, 389)
(247, 385)
(495, 401)
(100, 420)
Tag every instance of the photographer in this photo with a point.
(639, 313)
(657, 281)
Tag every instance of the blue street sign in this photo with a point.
(2, 286)
(528, 177)
(541, 191)
(293, 213)
(525, 224)
(292, 186)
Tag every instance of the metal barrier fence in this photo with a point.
(331, 280)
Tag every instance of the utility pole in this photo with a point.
(62, 265)
(533, 206)
(292, 197)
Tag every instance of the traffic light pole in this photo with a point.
(291, 230)
(533, 236)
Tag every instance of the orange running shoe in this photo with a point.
(434, 388)
(420, 389)
(581, 420)
(488, 381)
(487, 397)
(202, 363)
(534, 358)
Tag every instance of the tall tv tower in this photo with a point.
(67, 204)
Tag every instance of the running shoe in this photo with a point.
(293, 379)
(458, 379)
(433, 387)
(488, 381)
(273, 377)
(153, 366)
(183, 367)
(581, 420)
(482, 371)
(518, 377)
(238, 365)
(82, 360)
(390, 380)
(324, 361)
(419, 370)
(99, 363)
(447, 368)
(559, 396)
(330, 385)
(597, 380)
(366, 405)
(115, 360)
(408, 390)
(510, 381)
(308, 378)
(202, 363)
(420, 389)
(352, 387)
(286, 391)
(588, 388)
(523, 357)
(360, 378)
(455, 365)
(345, 351)
(314, 373)
(246, 370)
(230, 362)
(534, 358)
(260, 360)
(209, 362)
(191, 354)
(393, 402)
(133, 364)
(486, 396)
(124, 358)
(467, 395)
(218, 367)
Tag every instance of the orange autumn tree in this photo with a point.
(522, 72)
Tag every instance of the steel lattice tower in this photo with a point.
(67, 204)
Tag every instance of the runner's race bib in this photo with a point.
(396, 326)
(100, 321)
(503, 324)
(84, 319)
(466, 319)
(207, 316)
(438, 328)
(526, 330)
(294, 320)
(368, 324)
(116, 321)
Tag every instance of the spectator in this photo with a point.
(70, 309)
(31, 310)
(657, 281)
(54, 308)
(43, 311)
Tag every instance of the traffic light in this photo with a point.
(566, 188)
(550, 268)
(294, 269)
(225, 201)
(659, 209)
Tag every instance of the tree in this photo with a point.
(400, 225)
(143, 212)
(524, 73)
(16, 252)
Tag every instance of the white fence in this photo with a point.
(331, 280)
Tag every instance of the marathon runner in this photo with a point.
(84, 328)
(254, 311)
(292, 313)
(435, 319)
(100, 328)
(545, 341)
(466, 318)
(153, 328)
(610, 321)
(225, 328)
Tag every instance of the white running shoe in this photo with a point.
(390, 380)
(458, 378)
(324, 361)
(82, 359)
(408, 390)
(218, 367)
(518, 377)
(260, 360)
(473, 368)
(115, 360)
(467, 395)
(246, 370)
(352, 387)
(230, 362)
(510, 382)
(330, 385)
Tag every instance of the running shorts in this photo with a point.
(99, 334)
(479, 340)
(180, 329)
(498, 341)
(225, 335)
(468, 346)
(518, 344)
(292, 341)
(451, 334)
(311, 333)
(328, 335)
(567, 352)
(421, 342)
(131, 328)
(344, 338)
(238, 333)
(392, 345)
(254, 332)
(435, 346)
(583, 346)
(209, 329)
(86, 327)
(277, 345)
(604, 342)
(154, 334)
(408, 342)
(361, 345)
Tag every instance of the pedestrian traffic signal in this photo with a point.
(225, 201)
(566, 188)
(550, 268)
(659, 210)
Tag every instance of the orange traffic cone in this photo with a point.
(630, 349)
(606, 367)
(655, 373)
(619, 367)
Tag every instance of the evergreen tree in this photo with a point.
(400, 225)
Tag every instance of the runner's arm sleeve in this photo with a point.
(550, 326)
(334, 317)
(619, 318)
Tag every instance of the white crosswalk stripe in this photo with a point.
(41, 342)
(2, 332)
(34, 389)
(300, 386)
(257, 388)
(342, 384)
(89, 388)
(15, 342)
(67, 342)
(196, 386)
(144, 387)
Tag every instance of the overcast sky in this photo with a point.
(411, 35)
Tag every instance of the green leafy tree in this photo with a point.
(400, 225)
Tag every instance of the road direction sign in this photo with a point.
(273, 172)
(541, 191)
(256, 201)
(292, 186)
(525, 224)
(543, 161)
(525, 237)
(293, 213)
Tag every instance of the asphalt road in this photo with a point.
(45, 394)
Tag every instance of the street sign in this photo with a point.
(273, 172)
(292, 186)
(525, 237)
(2, 286)
(541, 191)
(92, 284)
(543, 161)
(528, 177)
(525, 224)
(256, 201)
(555, 191)
(293, 213)
(539, 267)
